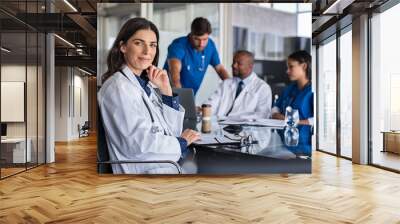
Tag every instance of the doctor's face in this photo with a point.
(241, 66)
(296, 70)
(140, 49)
(199, 42)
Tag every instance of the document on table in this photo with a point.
(270, 122)
(212, 139)
(258, 122)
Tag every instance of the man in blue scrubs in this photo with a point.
(189, 56)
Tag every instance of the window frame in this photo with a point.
(334, 37)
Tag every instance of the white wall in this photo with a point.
(70, 83)
(33, 126)
(265, 20)
(80, 84)
(61, 103)
(15, 72)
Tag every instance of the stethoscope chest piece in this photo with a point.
(157, 102)
(155, 129)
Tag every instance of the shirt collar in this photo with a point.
(143, 83)
(247, 80)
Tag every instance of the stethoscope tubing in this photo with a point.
(147, 107)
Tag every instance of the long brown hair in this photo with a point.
(115, 58)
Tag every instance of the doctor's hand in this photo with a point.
(159, 78)
(278, 116)
(190, 136)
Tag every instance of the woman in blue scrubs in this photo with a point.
(298, 95)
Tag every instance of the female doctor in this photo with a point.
(298, 95)
(141, 123)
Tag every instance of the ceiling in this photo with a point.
(329, 16)
(76, 23)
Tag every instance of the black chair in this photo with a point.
(103, 157)
(84, 129)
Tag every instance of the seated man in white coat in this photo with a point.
(245, 95)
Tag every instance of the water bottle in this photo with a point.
(291, 132)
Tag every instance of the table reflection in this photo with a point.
(266, 154)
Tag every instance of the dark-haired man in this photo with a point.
(189, 56)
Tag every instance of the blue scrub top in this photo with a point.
(303, 101)
(194, 63)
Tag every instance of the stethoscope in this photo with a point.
(203, 58)
(202, 66)
(154, 128)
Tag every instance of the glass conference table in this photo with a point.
(262, 152)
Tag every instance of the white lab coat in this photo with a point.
(128, 125)
(253, 102)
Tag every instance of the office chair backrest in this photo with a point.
(86, 125)
(102, 148)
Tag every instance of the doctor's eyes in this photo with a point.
(142, 44)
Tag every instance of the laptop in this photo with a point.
(186, 99)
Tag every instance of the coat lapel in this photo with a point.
(149, 100)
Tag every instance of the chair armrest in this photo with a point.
(141, 161)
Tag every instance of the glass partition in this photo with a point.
(327, 96)
(31, 100)
(385, 89)
(41, 80)
(14, 146)
(346, 94)
(22, 89)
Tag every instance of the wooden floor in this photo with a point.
(70, 191)
(386, 159)
(10, 171)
